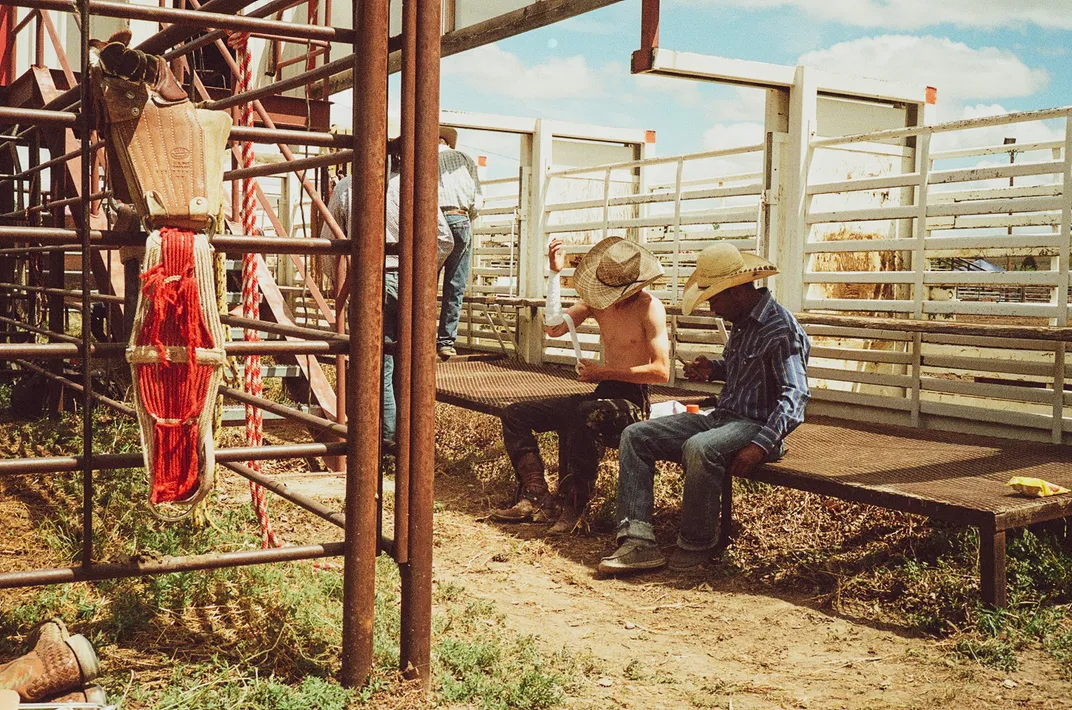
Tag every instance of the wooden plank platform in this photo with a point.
(953, 477)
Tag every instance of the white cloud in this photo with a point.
(684, 91)
(732, 135)
(1026, 132)
(914, 14)
(495, 71)
(746, 105)
(959, 71)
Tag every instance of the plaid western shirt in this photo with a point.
(459, 185)
(764, 367)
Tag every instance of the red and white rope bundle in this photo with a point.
(239, 41)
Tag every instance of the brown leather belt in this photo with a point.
(454, 211)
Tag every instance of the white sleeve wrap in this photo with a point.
(552, 311)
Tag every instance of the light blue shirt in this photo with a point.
(764, 367)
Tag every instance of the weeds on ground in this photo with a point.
(856, 559)
(251, 637)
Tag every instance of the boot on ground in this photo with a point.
(59, 663)
(531, 493)
(92, 694)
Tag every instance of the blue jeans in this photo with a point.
(704, 444)
(455, 278)
(390, 334)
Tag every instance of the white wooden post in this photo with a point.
(790, 251)
(1062, 288)
(532, 254)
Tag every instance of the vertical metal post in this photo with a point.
(364, 373)
(338, 463)
(404, 351)
(919, 260)
(1065, 270)
(86, 164)
(416, 636)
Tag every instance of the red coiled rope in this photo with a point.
(174, 393)
(239, 41)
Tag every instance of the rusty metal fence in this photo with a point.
(38, 228)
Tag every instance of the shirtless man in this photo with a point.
(610, 280)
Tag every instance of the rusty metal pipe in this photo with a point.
(290, 166)
(186, 563)
(63, 351)
(284, 411)
(107, 462)
(59, 337)
(281, 329)
(28, 172)
(269, 9)
(364, 376)
(404, 357)
(416, 575)
(291, 137)
(325, 70)
(200, 19)
(42, 207)
(37, 117)
(280, 489)
(114, 404)
(61, 292)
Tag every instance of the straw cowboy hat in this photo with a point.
(613, 270)
(450, 135)
(719, 267)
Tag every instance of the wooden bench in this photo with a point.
(952, 477)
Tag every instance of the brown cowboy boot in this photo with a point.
(569, 517)
(531, 492)
(575, 494)
(92, 694)
(57, 664)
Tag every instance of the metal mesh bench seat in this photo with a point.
(488, 384)
(957, 478)
(952, 477)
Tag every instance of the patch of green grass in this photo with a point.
(477, 665)
(265, 636)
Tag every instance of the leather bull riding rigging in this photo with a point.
(171, 161)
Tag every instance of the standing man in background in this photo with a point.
(339, 206)
(460, 199)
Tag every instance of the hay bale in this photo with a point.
(872, 261)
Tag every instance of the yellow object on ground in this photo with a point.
(1035, 487)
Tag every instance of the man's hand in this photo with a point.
(699, 370)
(556, 257)
(746, 459)
(590, 371)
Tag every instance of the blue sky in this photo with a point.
(985, 56)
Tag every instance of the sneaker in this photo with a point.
(682, 560)
(632, 556)
(446, 352)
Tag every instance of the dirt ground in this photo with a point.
(664, 640)
(705, 640)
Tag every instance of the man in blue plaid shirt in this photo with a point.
(460, 199)
(764, 368)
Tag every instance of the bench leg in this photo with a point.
(992, 567)
(725, 535)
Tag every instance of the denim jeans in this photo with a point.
(455, 278)
(390, 334)
(704, 444)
